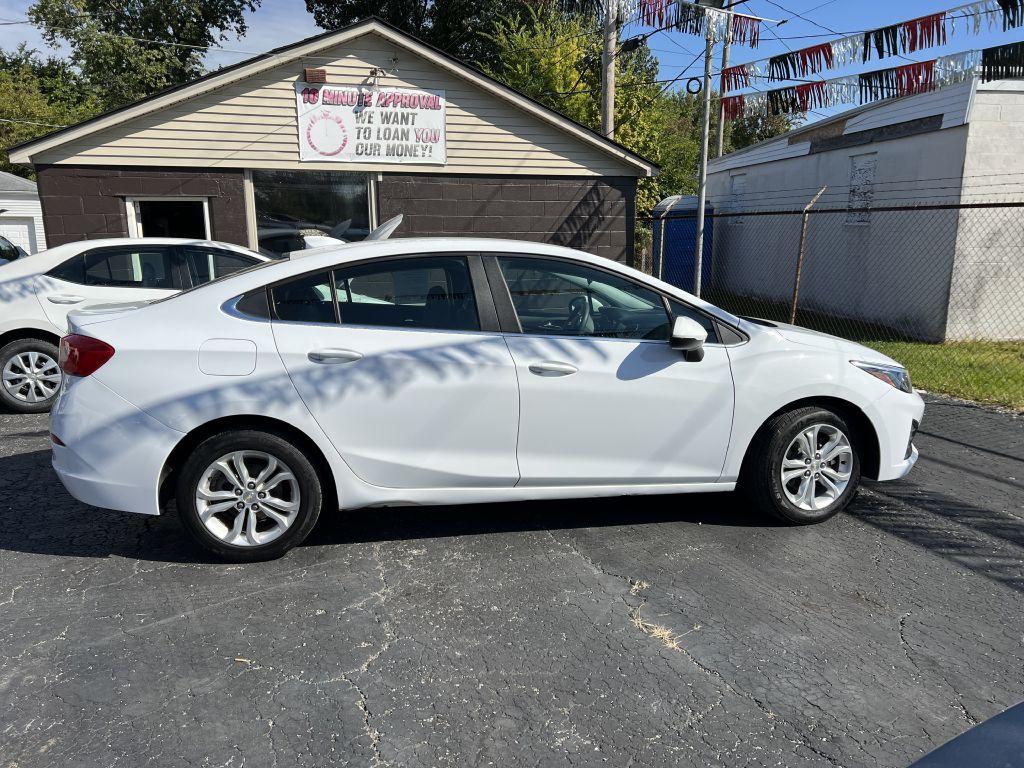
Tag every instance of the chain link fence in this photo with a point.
(938, 287)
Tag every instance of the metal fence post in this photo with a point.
(800, 257)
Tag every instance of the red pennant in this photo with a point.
(924, 32)
(733, 107)
(816, 58)
(734, 78)
(918, 77)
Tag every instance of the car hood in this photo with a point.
(808, 338)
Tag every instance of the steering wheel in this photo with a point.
(579, 321)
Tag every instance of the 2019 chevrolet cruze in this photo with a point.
(447, 371)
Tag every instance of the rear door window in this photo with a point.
(428, 292)
(134, 267)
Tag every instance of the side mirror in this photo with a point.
(688, 336)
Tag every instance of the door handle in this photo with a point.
(553, 368)
(334, 356)
(64, 298)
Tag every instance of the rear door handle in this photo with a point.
(553, 368)
(334, 356)
(64, 298)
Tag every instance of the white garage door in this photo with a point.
(19, 232)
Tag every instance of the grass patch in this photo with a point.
(984, 371)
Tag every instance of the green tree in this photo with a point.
(457, 27)
(555, 58)
(128, 49)
(38, 96)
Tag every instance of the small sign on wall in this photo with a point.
(357, 124)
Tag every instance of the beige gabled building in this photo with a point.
(329, 137)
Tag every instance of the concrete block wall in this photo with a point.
(986, 295)
(86, 203)
(597, 215)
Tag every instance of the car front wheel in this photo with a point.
(248, 495)
(30, 377)
(804, 466)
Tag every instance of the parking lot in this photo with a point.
(649, 631)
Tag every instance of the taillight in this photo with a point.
(83, 355)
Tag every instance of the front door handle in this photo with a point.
(64, 298)
(334, 356)
(553, 368)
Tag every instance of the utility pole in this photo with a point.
(721, 105)
(705, 140)
(611, 38)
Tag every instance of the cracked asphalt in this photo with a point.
(675, 631)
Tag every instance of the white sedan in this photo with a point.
(449, 371)
(37, 293)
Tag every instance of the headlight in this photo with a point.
(894, 375)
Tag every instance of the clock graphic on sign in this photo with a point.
(326, 135)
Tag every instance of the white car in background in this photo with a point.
(448, 371)
(37, 293)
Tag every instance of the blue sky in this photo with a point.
(278, 22)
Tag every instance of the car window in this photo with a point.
(8, 250)
(206, 264)
(683, 310)
(423, 292)
(72, 270)
(555, 297)
(133, 267)
(305, 300)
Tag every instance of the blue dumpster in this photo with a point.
(673, 254)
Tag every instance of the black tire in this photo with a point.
(13, 350)
(762, 481)
(310, 491)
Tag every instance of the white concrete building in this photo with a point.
(21, 218)
(934, 275)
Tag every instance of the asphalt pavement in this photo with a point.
(671, 631)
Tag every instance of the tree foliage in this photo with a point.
(37, 96)
(457, 27)
(129, 49)
(555, 56)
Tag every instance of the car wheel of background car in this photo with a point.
(247, 495)
(804, 466)
(29, 375)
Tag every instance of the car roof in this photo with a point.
(46, 260)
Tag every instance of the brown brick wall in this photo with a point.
(594, 215)
(87, 203)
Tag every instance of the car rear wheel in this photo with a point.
(30, 377)
(248, 495)
(804, 466)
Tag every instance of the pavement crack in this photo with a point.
(907, 648)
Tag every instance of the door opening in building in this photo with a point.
(171, 218)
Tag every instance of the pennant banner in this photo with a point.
(692, 19)
(893, 40)
(906, 80)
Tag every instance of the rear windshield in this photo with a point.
(222, 278)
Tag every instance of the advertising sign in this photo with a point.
(359, 124)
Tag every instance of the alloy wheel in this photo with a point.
(247, 498)
(817, 467)
(31, 377)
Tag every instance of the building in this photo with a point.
(21, 219)
(934, 274)
(328, 137)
